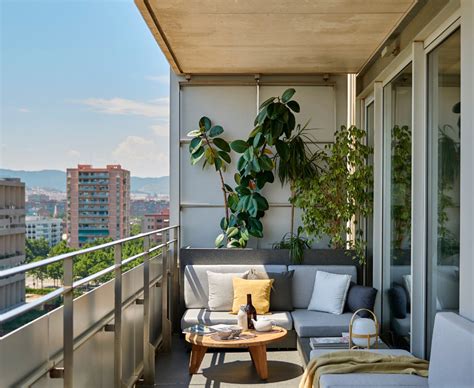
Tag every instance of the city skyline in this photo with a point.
(104, 102)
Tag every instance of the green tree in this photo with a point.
(55, 270)
(36, 248)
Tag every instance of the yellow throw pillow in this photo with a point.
(260, 290)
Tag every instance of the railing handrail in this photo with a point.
(50, 260)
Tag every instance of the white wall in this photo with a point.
(196, 198)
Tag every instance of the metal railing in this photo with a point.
(168, 250)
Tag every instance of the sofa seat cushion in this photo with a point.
(318, 324)
(195, 316)
(354, 380)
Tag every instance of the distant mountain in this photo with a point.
(56, 180)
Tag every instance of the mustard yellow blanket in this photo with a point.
(356, 361)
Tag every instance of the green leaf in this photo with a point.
(220, 240)
(237, 178)
(253, 207)
(261, 116)
(241, 164)
(239, 146)
(266, 163)
(228, 188)
(194, 133)
(287, 94)
(294, 106)
(224, 155)
(205, 123)
(256, 130)
(209, 156)
(267, 101)
(197, 155)
(262, 203)
(224, 223)
(256, 165)
(216, 130)
(248, 154)
(222, 144)
(283, 150)
(195, 144)
(233, 201)
(232, 231)
(218, 163)
(258, 140)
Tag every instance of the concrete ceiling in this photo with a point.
(271, 36)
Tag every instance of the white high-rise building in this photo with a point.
(41, 227)
(12, 240)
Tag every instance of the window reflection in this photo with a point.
(444, 130)
(397, 204)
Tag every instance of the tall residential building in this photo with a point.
(12, 240)
(155, 221)
(41, 227)
(98, 203)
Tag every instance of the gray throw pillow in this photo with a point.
(281, 296)
(221, 290)
(360, 297)
(398, 301)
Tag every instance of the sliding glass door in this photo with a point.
(397, 207)
(444, 134)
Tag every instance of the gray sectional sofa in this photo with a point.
(451, 362)
(299, 322)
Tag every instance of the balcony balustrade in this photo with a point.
(121, 322)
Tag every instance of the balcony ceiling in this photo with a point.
(271, 36)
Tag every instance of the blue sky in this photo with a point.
(81, 82)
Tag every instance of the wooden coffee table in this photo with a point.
(255, 341)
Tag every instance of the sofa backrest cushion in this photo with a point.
(452, 352)
(303, 280)
(196, 287)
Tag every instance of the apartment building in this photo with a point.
(49, 229)
(98, 203)
(12, 240)
(155, 221)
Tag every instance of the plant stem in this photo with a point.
(293, 194)
(224, 191)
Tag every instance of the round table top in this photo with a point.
(248, 338)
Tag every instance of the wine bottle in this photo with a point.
(251, 312)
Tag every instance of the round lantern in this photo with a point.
(363, 332)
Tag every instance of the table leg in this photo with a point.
(259, 358)
(197, 354)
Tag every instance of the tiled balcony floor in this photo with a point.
(226, 369)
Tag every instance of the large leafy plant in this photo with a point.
(340, 193)
(245, 205)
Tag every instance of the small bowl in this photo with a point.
(229, 333)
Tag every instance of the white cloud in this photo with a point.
(162, 79)
(161, 130)
(142, 156)
(23, 110)
(158, 108)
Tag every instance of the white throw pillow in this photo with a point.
(329, 292)
(407, 281)
(221, 290)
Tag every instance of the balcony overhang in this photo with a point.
(271, 36)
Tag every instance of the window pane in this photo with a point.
(397, 206)
(444, 166)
